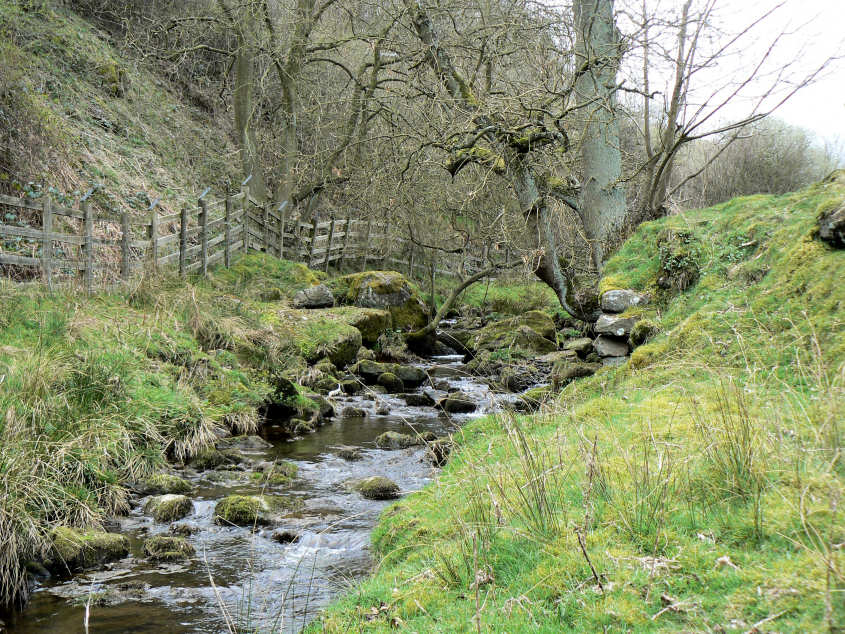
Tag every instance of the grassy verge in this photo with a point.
(698, 488)
(97, 392)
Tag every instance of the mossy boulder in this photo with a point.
(243, 443)
(253, 510)
(533, 399)
(392, 383)
(378, 488)
(370, 371)
(371, 323)
(395, 440)
(437, 451)
(533, 331)
(166, 483)
(168, 508)
(279, 473)
(167, 548)
(75, 550)
(340, 345)
(386, 290)
(351, 411)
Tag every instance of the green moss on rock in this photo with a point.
(166, 483)
(74, 549)
(167, 548)
(249, 510)
(168, 508)
(378, 488)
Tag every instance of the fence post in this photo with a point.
(227, 231)
(367, 243)
(183, 241)
(124, 246)
(88, 245)
(329, 247)
(282, 222)
(154, 237)
(315, 220)
(266, 217)
(245, 213)
(47, 241)
(345, 241)
(203, 235)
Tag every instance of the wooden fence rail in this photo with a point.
(62, 244)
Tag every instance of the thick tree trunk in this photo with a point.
(602, 197)
(243, 106)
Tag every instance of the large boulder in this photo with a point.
(832, 227)
(565, 373)
(614, 326)
(371, 323)
(457, 404)
(618, 301)
(370, 371)
(319, 296)
(581, 345)
(392, 383)
(533, 332)
(343, 348)
(386, 290)
(395, 440)
(164, 483)
(73, 550)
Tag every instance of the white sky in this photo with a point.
(812, 31)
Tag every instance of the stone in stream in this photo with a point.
(418, 400)
(378, 488)
(392, 383)
(74, 550)
(395, 440)
(168, 508)
(353, 412)
(285, 536)
(164, 483)
(457, 404)
(253, 510)
(183, 529)
(215, 459)
(319, 296)
(382, 409)
(608, 347)
(349, 453)
(618, 301)
(370, 371)
(167, 548)
(350, 387)
(614, 326)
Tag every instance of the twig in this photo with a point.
(587, 557)
(768, 619)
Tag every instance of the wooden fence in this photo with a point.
(61, 244)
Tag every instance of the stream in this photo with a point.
(259, 583)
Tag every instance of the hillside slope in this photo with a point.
(75, 112)
(697, 488)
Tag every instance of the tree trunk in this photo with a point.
(602, 198)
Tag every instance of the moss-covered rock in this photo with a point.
(437, 451)
(279, 473)
(370, 371)
(253, 510)
(74, 550)
(534, 398)
(167, 548)
(392, 383)
(168, 508)
(457, 404)
(564, 373)
(166, 483)
(534, 331)
(378, 488)
(371, 323)
(395, 440)
(210, 459)
(386, 290)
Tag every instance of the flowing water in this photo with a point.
(246, 576)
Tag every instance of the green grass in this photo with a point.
(703, 482)
(101, 391)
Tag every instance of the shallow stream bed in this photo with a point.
(245, 576)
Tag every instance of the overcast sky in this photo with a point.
(808, 32)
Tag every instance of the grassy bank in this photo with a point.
(697, 488)
(100, 392)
